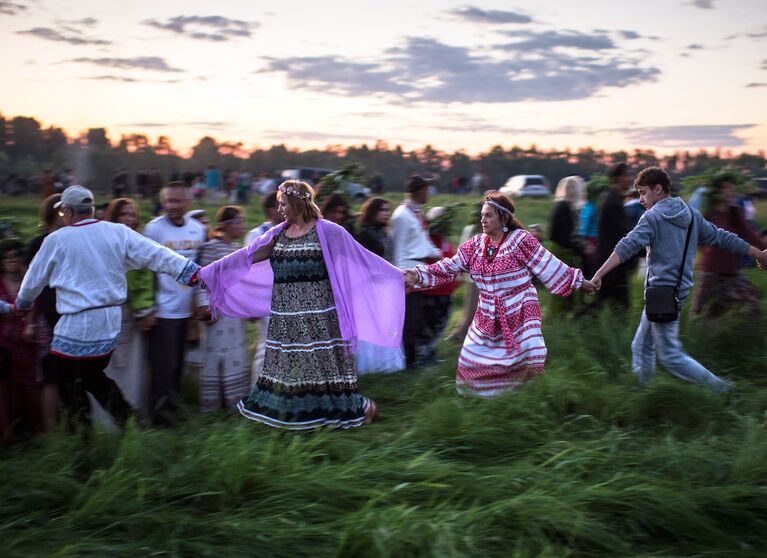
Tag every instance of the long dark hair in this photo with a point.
(507, 220)
(369, 210)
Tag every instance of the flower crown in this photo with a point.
(293, 191)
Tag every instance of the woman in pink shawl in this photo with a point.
(323, 293)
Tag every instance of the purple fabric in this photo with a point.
(369, 292)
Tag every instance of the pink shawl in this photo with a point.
(369, 292)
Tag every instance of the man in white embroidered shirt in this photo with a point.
(85, 262)
(412, 246)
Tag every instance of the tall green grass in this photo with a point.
(580, 462)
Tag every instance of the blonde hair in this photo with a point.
(300, 197)
(571, 189)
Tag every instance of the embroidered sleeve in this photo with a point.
(446, 270)
(556, 276)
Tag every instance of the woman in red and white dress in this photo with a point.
(504, 345)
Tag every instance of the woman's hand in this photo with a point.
(265, 252)
(588, 287)
(411, 277)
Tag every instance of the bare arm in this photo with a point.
(265, 252)
(612, 262)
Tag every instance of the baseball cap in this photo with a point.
(75, 195)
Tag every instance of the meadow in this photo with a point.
(581, 462)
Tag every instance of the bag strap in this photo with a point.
(684, 254)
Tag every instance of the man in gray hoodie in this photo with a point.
(663, 230)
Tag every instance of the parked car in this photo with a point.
(527, 185)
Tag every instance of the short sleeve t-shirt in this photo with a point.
(172, 300)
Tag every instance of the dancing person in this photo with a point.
(166, 340)
(43, 317)
(86, 262)
(504, 345)
(373, 221)
(20, 381)
(612, 227)
(126, 367)
(324, 294)
(412, 246)
(663, 230)
(566, 244)
(225, 370)
(721, 286)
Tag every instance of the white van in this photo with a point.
(527, 185)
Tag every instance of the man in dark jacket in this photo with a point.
(613, 227)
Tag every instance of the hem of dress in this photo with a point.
(306, 425)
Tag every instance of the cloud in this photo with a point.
(206, 28)
(124, 79)
(84, 22)
(151, 63)
(127, 79)
(430, 71)
(764, 64)
(545, 40)
(478, 15)
(706, 135)
(703, 4)
(11, 8)
(756, 35)
(50, 34)
(630, 35)
(209, 125)
(756, 84)
(695, 46)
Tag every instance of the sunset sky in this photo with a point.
(611, 74)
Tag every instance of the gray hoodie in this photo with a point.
(663, 229)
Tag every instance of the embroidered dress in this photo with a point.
(308, 379)
(504, 345)
(226, 369)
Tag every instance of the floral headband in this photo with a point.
(295, 192)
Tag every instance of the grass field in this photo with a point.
(580, 462)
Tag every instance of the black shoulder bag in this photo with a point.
(662, 301)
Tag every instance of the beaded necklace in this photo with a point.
(490, 250)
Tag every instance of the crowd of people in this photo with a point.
(99, 317)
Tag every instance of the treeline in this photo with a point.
(26, 148)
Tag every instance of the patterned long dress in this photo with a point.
(504, 345)
(308, 379)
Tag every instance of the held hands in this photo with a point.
(761, 259)
(203, 314)
(411, 277)
(589, 287)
